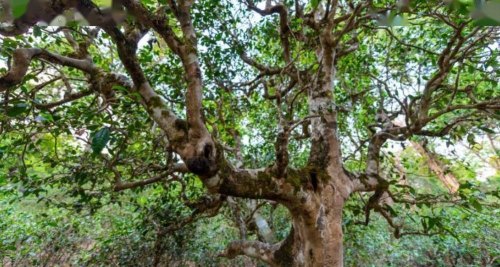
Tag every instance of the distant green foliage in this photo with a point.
(59, 166)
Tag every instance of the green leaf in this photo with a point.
(19, 7)
(486, 22)
(147, 2)
(17, 109)
(314, 3)
(424, 224)
(103, 3)
(466, 185)
(10, 247)
(471, 139)
(45, 117)
(452, 233)
(476, 204)
(391, 210)
(37, 31)
(119, 88)
(432, 222)
(412, 190)
(142, 200)
(100, 139)
(487, 130)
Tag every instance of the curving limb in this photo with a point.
(21, 59)
(254, 249)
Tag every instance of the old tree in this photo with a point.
(300, 104)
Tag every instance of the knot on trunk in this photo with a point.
(203, 163)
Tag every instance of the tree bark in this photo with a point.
(316, 236)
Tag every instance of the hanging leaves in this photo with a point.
(17, 109)
(19, 7)
(314, 3)
(100, 139)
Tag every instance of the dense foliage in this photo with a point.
(173, 128)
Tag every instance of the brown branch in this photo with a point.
(262, 68)
(47, 10)
(444, 64)
(448, 127)
(284, 28)
(186, 50)
(156, 107)
(418, 120)
(238, 217)
(43, 85)
(22, 58)
(388, 30)
(493, 104)
(198, 149)
(255, 249)
(120, 185)
(66, 99)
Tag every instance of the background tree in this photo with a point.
(287, 103)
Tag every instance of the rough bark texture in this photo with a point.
(316, 238)
(315, 193)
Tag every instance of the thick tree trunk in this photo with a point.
(315, 238)
(316, 235)
(315, 194)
